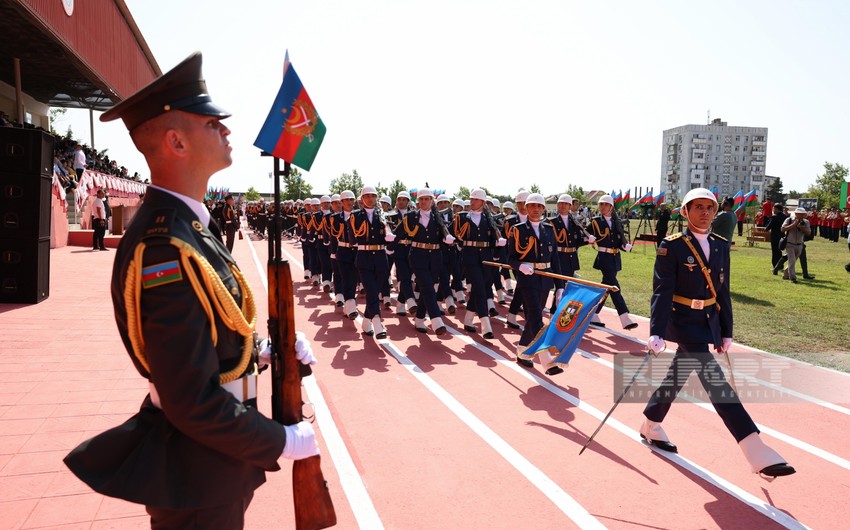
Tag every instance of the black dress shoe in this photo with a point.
(512, 325)
(381, 335)
(493, 312)
(451, 309)
(524, 362)
(352, 316)
(369, 333)
(440, 330)
(808, 276)
(488, 335)
(775, 272)
(422, 330)
(661, 444)
(326, 288)
(339, 304)
(470, 329)
(510, 291)
(555, 370)
(778, 470)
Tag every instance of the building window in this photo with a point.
(737, 138)
(737, 148)
(746, 139)
(745, 148)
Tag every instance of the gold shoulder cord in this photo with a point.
(523, 251)
(242, 320)
(410, 233)
(705, 270)
(599, 230)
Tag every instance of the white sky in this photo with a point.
(509, 93)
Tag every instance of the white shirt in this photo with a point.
(424, 217)
(475, 217)
(79, 159)
(369, 213)
(566, 219)
(99, 209)
(197, 207)
(702, 239)
(536, 227)
(522, 218)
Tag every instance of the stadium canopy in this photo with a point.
(87, 54)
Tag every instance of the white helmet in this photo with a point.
(424, 192)
(606, 199)
(489, 199)
(495, 202)
(347, 194)
(402, 195)
(478, 194)
(698, 193)
(443, 197)
(325, 198)
(521, 196)
(565, 198)
(466, 203)
(458, 202)
(535, 198)
(335, 197)
(386, 199)
(368, 190)
(508, 204)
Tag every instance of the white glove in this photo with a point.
(333, 256)
(725, 344)
(265, 357)
(300, 441)
(590, 239)
(558, 294)
(526, 269)
(303, 350)
(501, 242)
(449, 239)
(389, 252)
(627, 247)
(390, 237)
(656, 344)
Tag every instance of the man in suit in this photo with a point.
(230, 218)
(691, 305)
(198, 447)
(774, 224)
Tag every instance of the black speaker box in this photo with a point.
(26, 151)
(24, 270)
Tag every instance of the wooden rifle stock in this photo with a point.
(314, 508)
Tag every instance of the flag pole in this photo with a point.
(558, 277)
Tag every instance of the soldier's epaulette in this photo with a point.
(673, 237)
(721, 238)
(162, 223)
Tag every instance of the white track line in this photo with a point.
(780, 388)
(349, 478)
(535, 476)
(742, 495)
(790, 440)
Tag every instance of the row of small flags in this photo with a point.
(623, 201)
(217, 194)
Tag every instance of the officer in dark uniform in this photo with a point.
(344, 249)
(425, 231)
(230, 217)
(480, 238)
(198, 447)
(569, 236)
(532, 246)
(691, 305)
(371, 236)
(518, 217)
(401, 248)
(607, 230)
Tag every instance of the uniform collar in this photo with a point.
(196, 207)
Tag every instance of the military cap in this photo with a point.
(181, 88)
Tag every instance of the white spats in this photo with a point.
(653, 431)
(627, 322)
(758, 454)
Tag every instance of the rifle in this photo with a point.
(314, 509)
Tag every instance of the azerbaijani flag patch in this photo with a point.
(161, 274)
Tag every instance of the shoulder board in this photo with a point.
(672, 237)
(162, 223)
(721, 238)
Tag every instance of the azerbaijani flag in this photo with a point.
(562, 335)
(751, 198)
(161, 274)
(714, 191)
(659, 199)
(627, 198)
(740, 200)
(293, 130)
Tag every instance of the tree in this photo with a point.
(794, 194)
(827, 187)
(577, 192)
(535, 188)
(396, 188)
(347, 181)
(462, 193)
(56, 114)
(382, 190)
(252, 194)
(294, 186)
(774, 192)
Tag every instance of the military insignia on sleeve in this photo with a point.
(161, 274)
(662, 251)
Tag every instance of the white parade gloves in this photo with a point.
(389, 237)
(590, 239)
(526, 269)
(559, 293)
(501, 242)
(449, 239)
(300, 441)
(656, 344)
(725, 344)
(627, 247)
(303, 351)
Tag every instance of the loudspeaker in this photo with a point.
(26, 151)
(26, 178)
(24, 270)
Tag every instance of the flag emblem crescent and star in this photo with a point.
(161, 274)
(567, 319)
(293, 130)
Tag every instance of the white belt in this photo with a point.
(243, 389)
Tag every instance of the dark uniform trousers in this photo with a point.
(526, 247)
(427, 265)
(372, 265)
(401, 252)
(472, 257)
(609, 264)
(677, 273)
(223, 517)
(203, 448)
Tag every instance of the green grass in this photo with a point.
(806, 321)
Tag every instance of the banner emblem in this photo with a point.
(567, 318)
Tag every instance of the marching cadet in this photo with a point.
(405, 301)
(457, 285)
(449, 254)
(311, 241)
(425, 231)
(570, 236)
(520, 217)
(691, 305)
(532, 247)
(386, 203)
(371, 236)
(322, 243)
(507, 280)
(607, 229)
(332, 224)
(303, 218)
(198, 447)
(478, 236)
(261, 218)
(344, 247)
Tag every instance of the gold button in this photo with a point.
(234, 291)
(197, 225)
